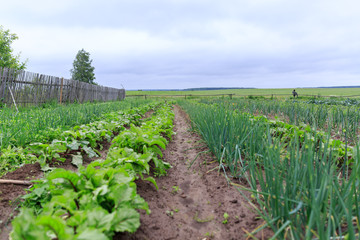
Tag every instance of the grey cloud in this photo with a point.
(272, 43)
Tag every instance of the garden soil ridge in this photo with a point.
(190, 203)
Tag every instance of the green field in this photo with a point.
(246, 92)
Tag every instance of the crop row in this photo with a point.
(322, 117)
(101, 199)
(55, 144)
(26, 126)
(284, 132)
(228, 133)
(343, 102)
(300, 190)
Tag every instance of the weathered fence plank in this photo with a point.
(33, 89)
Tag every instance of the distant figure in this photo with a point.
(294, 93)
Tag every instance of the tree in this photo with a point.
(82, 69)
(7, 57)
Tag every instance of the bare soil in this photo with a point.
(191, 202)
(10, 195)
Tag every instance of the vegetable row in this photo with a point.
(322, 117)
(57, 144)
(285, 132)
(24, 127)
(301, 190)
(99, 199)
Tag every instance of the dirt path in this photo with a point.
(190, 203)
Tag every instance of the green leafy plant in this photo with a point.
(84, 200)
(175, 190)
(226, 217)
(94, 202)
(48, 152)
(170, 213)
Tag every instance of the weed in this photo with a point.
(226, 217)
(197, 219)
(209, 234)
(170, 213)
(175, 190)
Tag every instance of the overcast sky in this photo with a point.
(168, 44)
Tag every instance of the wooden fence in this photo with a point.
(27, 88)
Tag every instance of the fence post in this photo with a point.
(61, 89)
(12, 96)
(145, 96)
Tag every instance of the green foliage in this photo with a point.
(141, 141)
(226, 216)
(24, 227)
(48, 152)
(76, 203)
(146, 140)
(175, 189)
(82, 69)
(44, 125)
(285, 132)
(305, 183)
(14, 157)
(127, 156)
(256, 97)
(54, 143)
(98, 200)
(7, 57)
(323, 117)
(332, 101)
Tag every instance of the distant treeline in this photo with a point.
(225, 88)
(342, 87)
(218, 88)
(196, 89)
